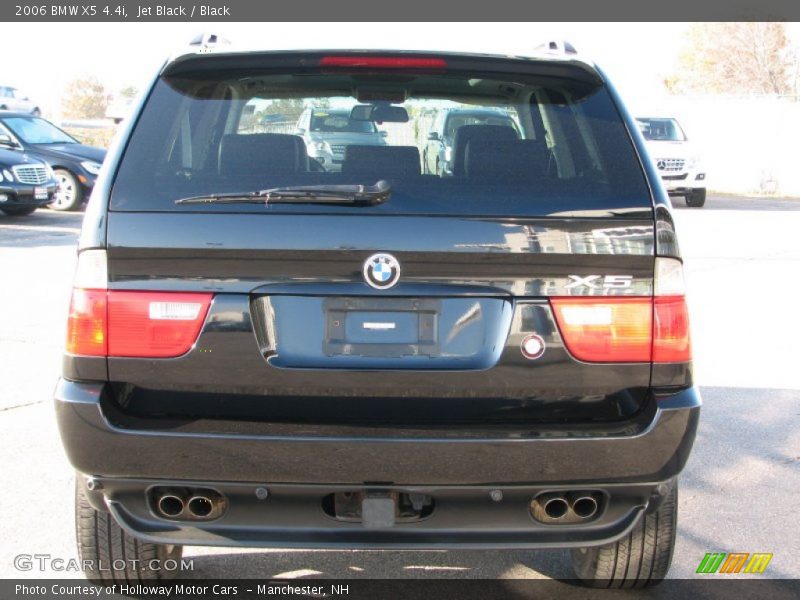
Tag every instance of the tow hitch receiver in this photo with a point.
(378, 509)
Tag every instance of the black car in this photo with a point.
(439, 156)
(75, 165)
(25, 184)
(261, 353)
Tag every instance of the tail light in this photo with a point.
(671, 340)
(86, 325)
(606, 329)
(629, 329)
(126, 323)
(154, 324)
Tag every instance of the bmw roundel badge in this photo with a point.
(381, 271)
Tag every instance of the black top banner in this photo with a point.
(407, 10)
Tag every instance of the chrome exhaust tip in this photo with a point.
(200, 507)
(549, 507)
(555, 507)
(171, 505)
(584, 506)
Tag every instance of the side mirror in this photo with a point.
(384, 133)
(433, 136)
(5, 140)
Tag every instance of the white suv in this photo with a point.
(675, 159)
(328, 132)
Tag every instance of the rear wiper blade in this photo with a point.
(347, 195)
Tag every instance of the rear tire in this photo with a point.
(18, 211)
(69, 194)
(640, 559)
(696, 198)
(106, 545)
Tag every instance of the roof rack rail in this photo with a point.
(206, 41)
(557, 47)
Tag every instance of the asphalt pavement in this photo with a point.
(738, 493)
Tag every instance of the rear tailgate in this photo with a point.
(266, 349)
(556, 206)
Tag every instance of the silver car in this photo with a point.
(13, 99)
(328, 132)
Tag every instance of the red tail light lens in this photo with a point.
(86, 325)
(154, 324)
(134, 324)
(384, 62)
(671, 341)
(606, 329)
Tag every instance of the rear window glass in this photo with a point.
(447, 142)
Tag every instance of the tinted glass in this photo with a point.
(519, 143)
(33, 130)
(339, 122)
(461, 118)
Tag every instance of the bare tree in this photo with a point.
(735, 58)
(85, 98)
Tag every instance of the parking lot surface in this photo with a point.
(738, 493)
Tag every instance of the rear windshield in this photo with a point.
(447, 142)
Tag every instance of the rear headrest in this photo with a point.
(515, 160)
(261, 153)
(468, 133)
(381, 162)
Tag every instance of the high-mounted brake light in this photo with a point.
(129, 323)
(384, 62)
(629, 329)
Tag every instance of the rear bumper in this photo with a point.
(300, 468)
(292, 517)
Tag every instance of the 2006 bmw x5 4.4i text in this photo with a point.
(264, 353)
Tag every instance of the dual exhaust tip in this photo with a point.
(566, 507)
(188, 504)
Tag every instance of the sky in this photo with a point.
(637, 56)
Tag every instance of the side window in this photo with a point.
(198, 130)
(248, 121)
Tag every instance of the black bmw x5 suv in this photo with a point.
(264, 353)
